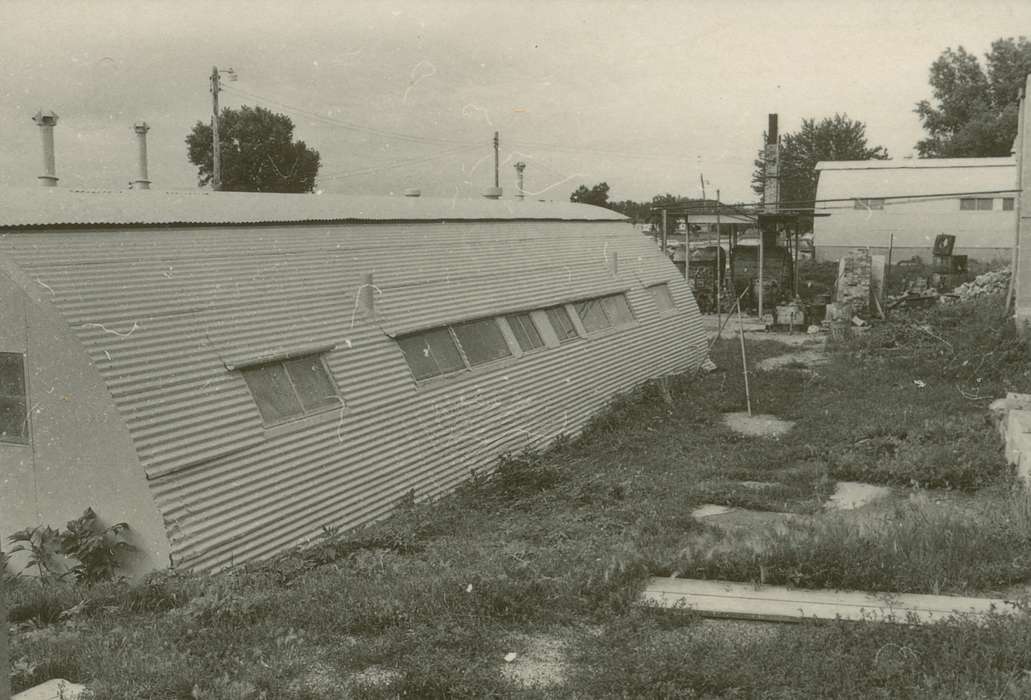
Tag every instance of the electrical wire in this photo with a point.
(332, 121)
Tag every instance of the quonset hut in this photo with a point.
(230, 372)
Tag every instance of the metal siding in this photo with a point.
(231, 491)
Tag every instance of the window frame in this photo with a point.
(25, 438)
(869, 203)
(975, 203)
(320, 359)
(672, 307)
(1009, 203)
(465, 353)
(562, 308)
(606, 313)
(515, 320)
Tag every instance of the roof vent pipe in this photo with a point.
(413, 192)
(46, 121)
(520, 167)
(141, 182)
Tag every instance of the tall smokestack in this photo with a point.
(771, 184)
(520, 167)
(142, 182)
(46, 121)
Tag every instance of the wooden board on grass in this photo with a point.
(779, 604)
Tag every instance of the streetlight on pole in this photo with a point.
(216, 144)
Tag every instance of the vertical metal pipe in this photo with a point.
(719, 259)
(46, 121)
(142, 182)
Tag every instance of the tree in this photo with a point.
(975, 110)
(597, 195)
(832, 138)
(258, 153)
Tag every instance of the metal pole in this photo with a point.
(664, 238)
(744, 359)
(216, 145)
(687, 248)
(496, 144)
(761, 247)
(1015, 257)
(719, 258)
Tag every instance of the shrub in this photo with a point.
(98, 550)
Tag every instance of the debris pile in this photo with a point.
(996, 282)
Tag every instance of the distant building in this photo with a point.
(230, 372)
(916, 200)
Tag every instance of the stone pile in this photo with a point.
(853, 286)
(996, 282)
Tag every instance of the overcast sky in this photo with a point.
(643, 95)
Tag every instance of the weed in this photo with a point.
(97, 550)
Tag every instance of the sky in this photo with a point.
(649, 97)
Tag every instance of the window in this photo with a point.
(975, 203)
(14, 416)
(869, 203)
(292, 388)
(563, 325)
(592, 315)
(604, 312)
(1007, 203)
(432, 353)
(454, 348)
(482, 341)
(525, 332)
(663, 298)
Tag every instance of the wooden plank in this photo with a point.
(780, 604)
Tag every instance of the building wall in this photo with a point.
(165, 314)
(981, 235)
(80, 454)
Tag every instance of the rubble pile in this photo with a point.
(996, 282)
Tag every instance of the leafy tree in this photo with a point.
(258, 153)
(597, 195)
(832, 138)
(975, 110)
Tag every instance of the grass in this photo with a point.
(429, 602)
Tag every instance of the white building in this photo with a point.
(916, 200)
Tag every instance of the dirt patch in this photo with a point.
(802, 359)
(850, 495)
(708, 510)
(540, 661)
(758, 425)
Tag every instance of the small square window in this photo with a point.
(967, 204)
(1007, 203)
(663, 298)
(592, 314)
(617, 309)
(14, 416)
(869, 203)
(291, 389)
(482, 341)
(432, 353)
(562, 324)
(985, 204)
(525, 331)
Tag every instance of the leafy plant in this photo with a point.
(97, 549)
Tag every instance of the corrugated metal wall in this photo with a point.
(162, 312)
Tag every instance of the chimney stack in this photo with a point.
(46, 121)
(520, 167)
(141, 182)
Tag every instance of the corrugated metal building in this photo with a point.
(230, 372)
(877, 198)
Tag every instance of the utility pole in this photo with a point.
(216, 145)
(497, 142)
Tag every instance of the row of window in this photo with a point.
(965, 203)
(300, 386)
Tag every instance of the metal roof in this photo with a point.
(51, 206)
(915, 163)
(164, 314)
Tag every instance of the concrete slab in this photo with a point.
(55, 689)
(780, 604)
(850, 495)
(757, 425)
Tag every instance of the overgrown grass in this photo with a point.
(425, 603)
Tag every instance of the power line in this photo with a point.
(399, 163)
(332, 121)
